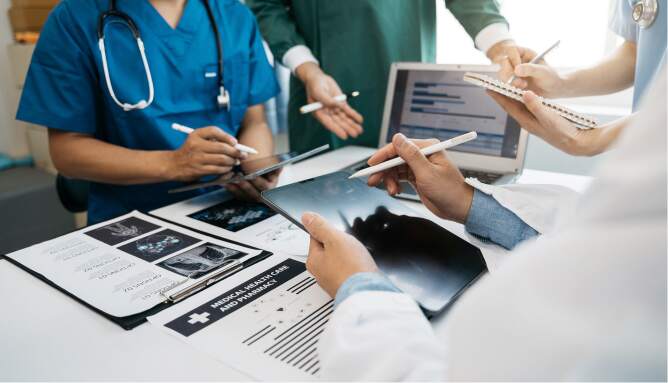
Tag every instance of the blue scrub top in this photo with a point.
(651, 43)
(66, 90)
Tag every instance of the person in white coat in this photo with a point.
(585, 301)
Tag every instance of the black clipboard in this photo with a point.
(132, 321)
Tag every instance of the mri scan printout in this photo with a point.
(253, 223)
(123, 266)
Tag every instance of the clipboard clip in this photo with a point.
(228, 269)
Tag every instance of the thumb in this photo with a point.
(535, 105)
(529, 70)
(410, 152)
(318, 227)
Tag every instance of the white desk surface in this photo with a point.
(45, 335)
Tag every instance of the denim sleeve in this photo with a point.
(367, 281)
(488, 220)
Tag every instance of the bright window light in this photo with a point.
(581, 25)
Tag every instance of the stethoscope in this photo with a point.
(645, 12)
(223, 98)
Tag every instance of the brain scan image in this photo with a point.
(201, 260)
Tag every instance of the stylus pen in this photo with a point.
(239, 147)
(538, 58)
(308, 108)
(426, 151)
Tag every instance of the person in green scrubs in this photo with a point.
(335, 47)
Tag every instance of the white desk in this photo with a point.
(44, 335)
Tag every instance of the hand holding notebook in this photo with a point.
(487, 82)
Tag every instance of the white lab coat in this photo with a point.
(587, 301)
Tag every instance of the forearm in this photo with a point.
(256, 133)
(84, 157)
(599, 140)
(613, 74)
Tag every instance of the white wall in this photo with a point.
(12, 137)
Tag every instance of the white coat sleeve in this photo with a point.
(380, 335)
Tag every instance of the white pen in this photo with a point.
(538, 58)
(426, 151)
(308, 108)
(239, 147)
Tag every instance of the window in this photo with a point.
(582, 27)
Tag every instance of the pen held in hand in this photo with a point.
(239, 147)
(429, 150)
(312, 107)
(537, 58)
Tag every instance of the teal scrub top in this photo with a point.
(65, 88)
(651, 44)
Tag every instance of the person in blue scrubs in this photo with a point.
(634, 63)
(134, 157)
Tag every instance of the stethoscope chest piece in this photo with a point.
(223, 98)
(645, 12)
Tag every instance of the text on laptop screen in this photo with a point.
(439, 104)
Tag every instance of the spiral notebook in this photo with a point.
(487, 82)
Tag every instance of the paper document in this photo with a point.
(123, 266)
(265, 321)
(220, 214)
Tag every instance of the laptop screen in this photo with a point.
(439, 104)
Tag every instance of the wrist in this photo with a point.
(567, 85)
(164, 165)
(496, 51)
(465, 203)
(459, 210)
(307, 71)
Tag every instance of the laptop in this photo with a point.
(433, 101)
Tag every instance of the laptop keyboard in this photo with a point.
(484, 177)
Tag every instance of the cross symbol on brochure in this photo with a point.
(199, 318)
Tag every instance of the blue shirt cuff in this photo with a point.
(488, 220)
(366, 281)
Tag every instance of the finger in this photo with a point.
(249, 190)
(514, 56)
(236, 192)
(216, 147)
(352, 113)
(215, 133)
(506, 70)
(392, 183)
(411, 153)
(519, 83)
(350, 126)
(326, 120)
(216, 159)
(530, 70)
(214, 169)
(260, 183)
(315, 252)
(383, 154)
(517, 110)
(375, 179)
(527, 54)
(273, 176)
(535, 105)
(318, 227)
